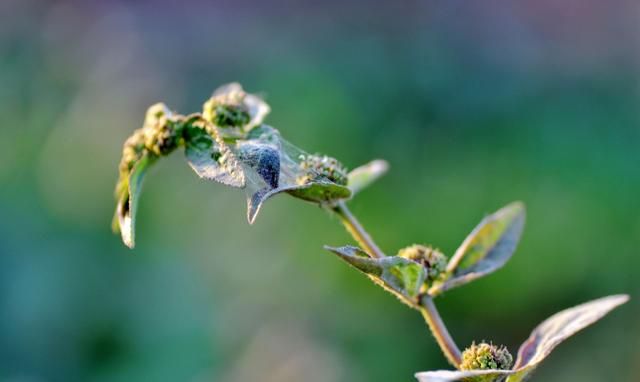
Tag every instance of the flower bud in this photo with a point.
(432, 259)
(486, 356)
(227, 109)
(160, 132)
(318, 168)
(132, 151)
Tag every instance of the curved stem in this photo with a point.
(357, 231)
(439, 330)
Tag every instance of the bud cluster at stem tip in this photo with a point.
(316, 167)
(227, 109)
(158, 136)
(432, 259)
(486, 356)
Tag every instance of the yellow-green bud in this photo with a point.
(160, 132)
(432, 259)
(132, 150)
(315, 168)
(486, 356)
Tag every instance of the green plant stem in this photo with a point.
(426, 307)
(357, 231)
(439, 330)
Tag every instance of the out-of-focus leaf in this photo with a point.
(466, 376)
(128, 201)
(486, 249)
(558, 328)
(400, 276)
(212, 159)
(316, 192)
(363, 176)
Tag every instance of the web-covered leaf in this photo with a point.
(211, 158)
(402, 277)
(489, 246)
(265, 153)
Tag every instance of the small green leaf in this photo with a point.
(128, 201)
(402, 277)
(212, 159)
(363, 176)
(321, 193)
(486, 249)
(558, 328)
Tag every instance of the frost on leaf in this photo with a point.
(489, 246)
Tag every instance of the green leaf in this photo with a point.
(486, 249)
(315, 192)
(363, 176)
(212, 159)
(558, 328)
(320, 192)
(128, 201)
(402, 277)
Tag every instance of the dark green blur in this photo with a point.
(475, 104)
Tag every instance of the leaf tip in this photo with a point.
(619, 299)
(127, 238)
(380, 166)
(515, 208)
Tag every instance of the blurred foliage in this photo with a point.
(474, 104)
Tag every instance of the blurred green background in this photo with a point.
(473, 103)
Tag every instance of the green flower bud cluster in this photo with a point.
(316, 167)
(486, 356)
(433, 260)
(132, 151)
(159, 136)
(227, 109)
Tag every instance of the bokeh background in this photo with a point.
(473, 103)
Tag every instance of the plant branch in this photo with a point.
(426, 307)
(357, 231)
(439, 330)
